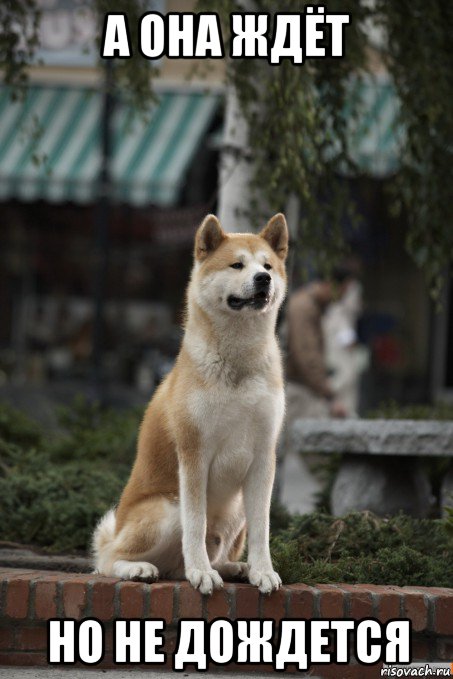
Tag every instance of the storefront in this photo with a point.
(163, 178)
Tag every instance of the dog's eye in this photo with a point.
(237, 265)
(268, 267)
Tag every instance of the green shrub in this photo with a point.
(53, 490)
(90, 432)
(391, 410)
(361, 547)
(54, 506)
(16, 427)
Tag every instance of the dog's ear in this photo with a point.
(276, 234)
(209, 236)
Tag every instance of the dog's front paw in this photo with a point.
(266, 580)
(204, 580)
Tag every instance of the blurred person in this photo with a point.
(309, 391)
(346, 359)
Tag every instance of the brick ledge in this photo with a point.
(29, 597)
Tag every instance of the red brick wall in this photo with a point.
(29, 598)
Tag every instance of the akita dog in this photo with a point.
(205, 462)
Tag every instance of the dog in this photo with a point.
(205, 463)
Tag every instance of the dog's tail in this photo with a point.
(102, 542)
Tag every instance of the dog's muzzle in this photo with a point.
(260, 298)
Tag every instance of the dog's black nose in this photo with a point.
(262, 279)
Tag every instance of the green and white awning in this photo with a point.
(50, 142)
(50, 145)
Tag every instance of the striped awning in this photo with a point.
(50, 145)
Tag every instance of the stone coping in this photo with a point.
(374, 437)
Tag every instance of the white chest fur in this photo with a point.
(239, 409)
(235, 424)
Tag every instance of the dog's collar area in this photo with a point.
(257, 301)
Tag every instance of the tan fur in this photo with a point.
(206, 449)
